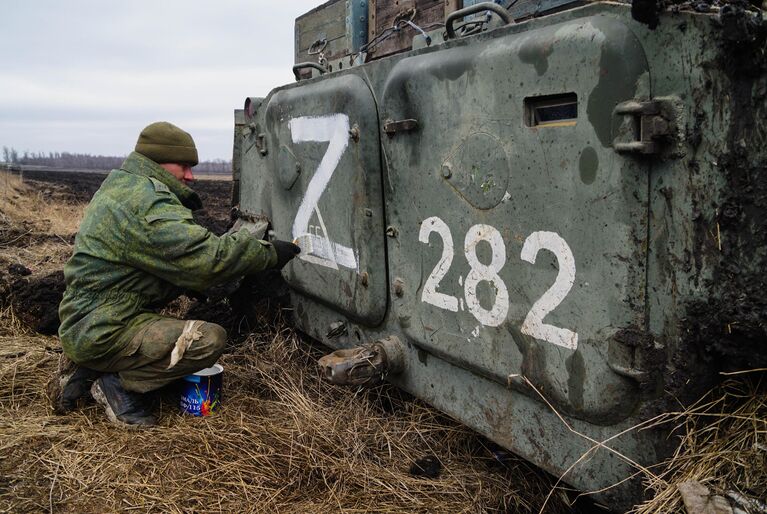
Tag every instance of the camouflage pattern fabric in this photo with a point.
(146, 368)
(138, 248)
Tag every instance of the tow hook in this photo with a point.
(365, 365)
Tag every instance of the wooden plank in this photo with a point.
(335, 49)
(452, 6)
(372, 19)
(329, 32)
(383, 15)
(525, 9)
(328, 21)
(388, 10)
(318, 8)
(332, 14)
(333, 18)
(422, 5)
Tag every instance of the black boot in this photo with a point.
(71, 383)
(122, 407)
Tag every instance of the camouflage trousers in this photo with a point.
(144, 368)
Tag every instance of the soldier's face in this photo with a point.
(182, 172)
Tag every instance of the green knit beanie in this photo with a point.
(164, 142)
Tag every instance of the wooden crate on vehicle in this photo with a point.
(429, 15)
(330, 32)
(385, 15)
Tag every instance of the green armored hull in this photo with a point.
(560, 223)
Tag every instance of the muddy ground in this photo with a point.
(79, 187)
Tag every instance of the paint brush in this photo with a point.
(314, 245)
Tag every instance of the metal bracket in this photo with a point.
(404, 15)
(261, 143)
(650, 126)
(472, 9)
(365, 365)
(336, 329)
(636, 355)
(391, 127)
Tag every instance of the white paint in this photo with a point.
(486, 273)
(533, 324)
(506, 197)
(333, 129)
(327, 253)
(326, 243)
(430, 294)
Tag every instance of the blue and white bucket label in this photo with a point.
(201, 393)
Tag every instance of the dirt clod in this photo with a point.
(36, 301)
(428, 467)
(19, 269)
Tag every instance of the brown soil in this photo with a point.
(79, 187)
(36, 301)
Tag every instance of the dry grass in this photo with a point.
(723, 445)
(40, 212)
(35, 229)
(284, 442)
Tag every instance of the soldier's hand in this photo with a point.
(285, 251)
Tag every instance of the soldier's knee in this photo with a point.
(217, 338)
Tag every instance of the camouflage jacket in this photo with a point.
(136, 249)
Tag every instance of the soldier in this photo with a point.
(138, 248)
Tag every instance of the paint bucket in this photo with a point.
(201, 393)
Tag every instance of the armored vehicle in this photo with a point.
(547, 220)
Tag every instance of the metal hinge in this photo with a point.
(649, 128)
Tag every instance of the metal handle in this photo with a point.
(650, 127)
(317, 47)
(472, 9)
(300, 66)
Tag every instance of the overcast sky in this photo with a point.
(86, 76)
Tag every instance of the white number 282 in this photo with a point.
(533, 324)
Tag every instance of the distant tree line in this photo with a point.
(81, 161)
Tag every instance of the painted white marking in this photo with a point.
(331, 256)
(486, 273)
(533, 324)
(333, 129)
(319, 250)
(506, 197)
(476, 330)
(430, 293)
